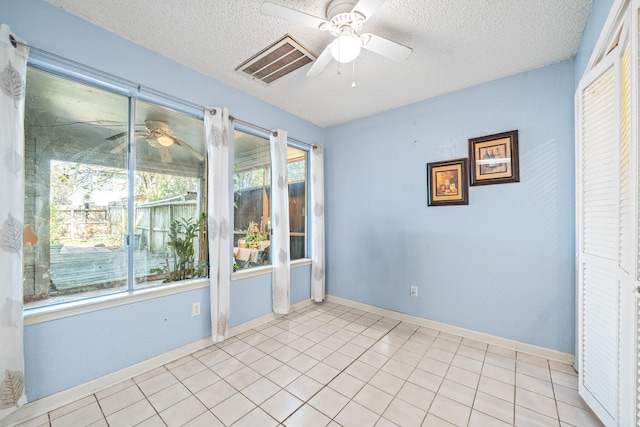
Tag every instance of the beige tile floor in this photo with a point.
(331, 365)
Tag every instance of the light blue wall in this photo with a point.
(67, 352)
(300, 275)
(256, 294)
(502, 265)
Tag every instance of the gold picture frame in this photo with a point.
(448, 183)
(494, 159)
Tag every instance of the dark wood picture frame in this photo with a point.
(447, 182)
(494, 159)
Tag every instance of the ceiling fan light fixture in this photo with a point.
(346, 48)
(164, 140)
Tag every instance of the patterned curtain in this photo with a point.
(317, 224)
(219, 146)
(13, 68)
(281, 281)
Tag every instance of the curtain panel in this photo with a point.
(281, 257)
(13, 68)
(219, 134)
(317, 224)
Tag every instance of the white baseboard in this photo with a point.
(49, 403)
(531, 349)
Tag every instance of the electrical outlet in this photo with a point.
(195, 309)
(414, 291)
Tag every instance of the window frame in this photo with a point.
(67, 69)
(260, 269)
(307, 220)
(306, 259)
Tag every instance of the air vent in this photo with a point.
(277, 60)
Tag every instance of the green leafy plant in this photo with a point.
(238, 193)
(182, 233)
(254, 236)
(236, 266)
(56, 223)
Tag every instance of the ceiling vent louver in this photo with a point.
(276, 61)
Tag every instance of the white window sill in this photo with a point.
(72, 308)
(300, 262)
(251, 272)
(37, 315)
(259, 271)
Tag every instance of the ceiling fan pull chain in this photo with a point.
(353, 69)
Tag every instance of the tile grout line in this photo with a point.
(104, 416)
(555, 399)
(475, 393)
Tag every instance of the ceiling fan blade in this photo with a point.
(320, 63)
(152, 141)
(119, 147)
(384, 47)
(187, 147)
(121, 134)
(116, 136)
(366, 8)
(293, 15)
(165, 156)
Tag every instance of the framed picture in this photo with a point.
(447, 182)
(494, 158)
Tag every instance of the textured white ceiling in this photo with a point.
(456, 44)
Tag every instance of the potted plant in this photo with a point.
(182, 233)
(254, 236)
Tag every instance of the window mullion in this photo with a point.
(131, 174)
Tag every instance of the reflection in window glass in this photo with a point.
(75, 190)
(169, 217)
(77, 187)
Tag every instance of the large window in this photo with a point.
(252, 201)
(252, 194)
(111, 213)
(297, 171)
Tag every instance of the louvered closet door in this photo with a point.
(627, 211)
(601, 226)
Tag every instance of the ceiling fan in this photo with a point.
(344, 21)
(158, 136)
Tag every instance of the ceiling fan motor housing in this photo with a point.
(158, 134)
(337, 7)
(156, 128)
(339, 14)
